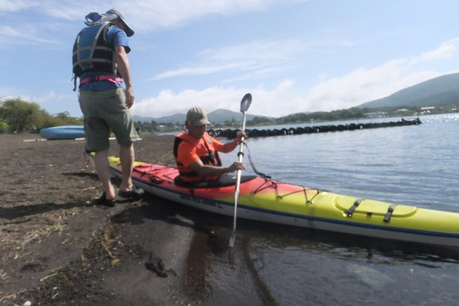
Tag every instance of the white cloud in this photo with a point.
(365, 85)
(357, 87)
(445, 50)
(148, 15)
(169, 103)
(22, 35)
(256, 58)
(201, 70)
(144, 15)
(47, 101)
(16, 5)
(265, 102)
(282, 74)
(51, 97)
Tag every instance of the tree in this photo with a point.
(21, 115)
(3, 127)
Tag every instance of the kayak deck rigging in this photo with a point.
(266, 184)
(370, 209)
(268, 200)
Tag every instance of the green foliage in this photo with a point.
(153, 126)
(61, 119)
(3, 127)
(21, 116)
(345, 114)
(353, 113)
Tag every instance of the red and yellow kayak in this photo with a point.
(273, 201)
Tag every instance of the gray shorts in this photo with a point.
(106, 110)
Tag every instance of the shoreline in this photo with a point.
(58, 248)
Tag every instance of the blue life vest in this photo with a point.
(92, 53)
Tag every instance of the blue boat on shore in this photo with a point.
(63, 132)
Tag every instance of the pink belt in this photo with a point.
(95, 78)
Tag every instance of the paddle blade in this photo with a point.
(232, 238)
(245, 102)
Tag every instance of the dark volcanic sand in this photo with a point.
(58, 248)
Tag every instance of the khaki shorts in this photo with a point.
(106, 110)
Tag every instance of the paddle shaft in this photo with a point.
(245, 104)
(238, 184)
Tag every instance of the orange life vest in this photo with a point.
(206, 152)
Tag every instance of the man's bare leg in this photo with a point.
(127, 158)
(104, 174)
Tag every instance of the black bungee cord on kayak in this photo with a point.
(253, 166)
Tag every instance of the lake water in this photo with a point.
(280, 265)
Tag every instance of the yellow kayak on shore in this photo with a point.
(268, 200)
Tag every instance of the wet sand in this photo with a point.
(58, 248)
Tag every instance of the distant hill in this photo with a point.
(217, 116)
(442, 91)
(180, 118)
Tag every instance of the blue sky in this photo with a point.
(291, 55)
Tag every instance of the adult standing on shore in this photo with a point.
(106, 94)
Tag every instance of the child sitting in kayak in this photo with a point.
(196, 152)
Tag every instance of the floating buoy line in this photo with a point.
(231, 133)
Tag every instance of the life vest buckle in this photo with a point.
(93, 78)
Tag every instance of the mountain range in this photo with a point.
(442, 91)
(217, 116)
